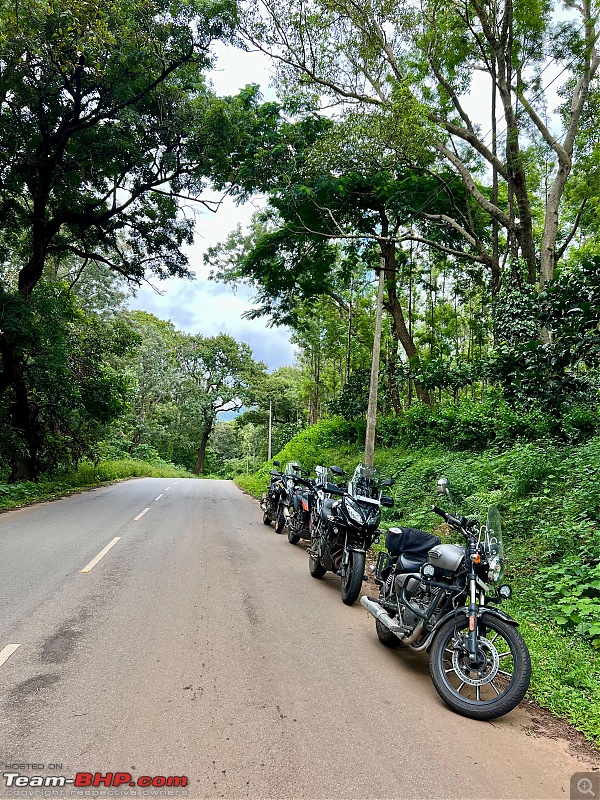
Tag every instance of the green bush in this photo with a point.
(469, 425)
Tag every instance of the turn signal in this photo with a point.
(476, 558)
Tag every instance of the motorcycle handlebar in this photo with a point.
(457, 522)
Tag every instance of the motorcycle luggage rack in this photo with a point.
(384, 560)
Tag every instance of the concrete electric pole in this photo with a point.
(372, 409)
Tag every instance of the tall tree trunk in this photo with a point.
(394, 307)
(208, 424)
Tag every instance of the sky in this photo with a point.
(207, 307)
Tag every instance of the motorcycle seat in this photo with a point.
(410, 562)
(410, 543)
(326, 508)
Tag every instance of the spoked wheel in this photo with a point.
(496, 683)
(353, 579)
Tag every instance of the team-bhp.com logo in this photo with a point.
(14, 780)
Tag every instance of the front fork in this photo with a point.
(473, 616)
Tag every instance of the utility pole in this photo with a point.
(270, 429)
(372, 409)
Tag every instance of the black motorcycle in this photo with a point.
(441, 598)
(292, 481)
(302, 500)
(342, 530)
(270, 501)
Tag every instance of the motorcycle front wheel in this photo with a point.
(266, 518)
(496, 683)
(353, 579)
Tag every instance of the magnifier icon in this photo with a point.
(585, 786)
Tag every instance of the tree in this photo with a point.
(70, 385)
(106, 129)
(403, 63)
(219, 374)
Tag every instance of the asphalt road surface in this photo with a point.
(199, 646)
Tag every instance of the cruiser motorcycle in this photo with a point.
(342, 530)
(442, 598)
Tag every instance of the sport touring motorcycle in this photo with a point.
(343, 529)
(441, 598)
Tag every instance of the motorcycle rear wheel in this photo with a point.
(498, 684)
(353, 580)
(280, 523)
(293, 537)
(386, 637)
(316, 569)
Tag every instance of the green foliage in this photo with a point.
(480, 424)
(563, 370)
(70, 387)
(353, 399)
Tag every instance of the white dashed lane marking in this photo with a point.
(139, 516)
(101, 554)
(7, 652)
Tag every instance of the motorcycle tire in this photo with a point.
(266, 518)
(353, 580)
(492, 691)
(293, 537)
(280, 523)
(316, 569)
(386, 637)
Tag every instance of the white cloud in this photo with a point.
(201, 306)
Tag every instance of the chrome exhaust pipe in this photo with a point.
(375, 610)
(381, 614)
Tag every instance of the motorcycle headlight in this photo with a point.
(495, 569)
(353, 512)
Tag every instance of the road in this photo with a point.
(200, 646)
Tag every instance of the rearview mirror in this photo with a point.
(443, 486)
(386, 501)
(276, 464)
(337, 471)
(387, 482)
(332, 488)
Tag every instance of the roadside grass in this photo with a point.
(549, 498)
(86, 476)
